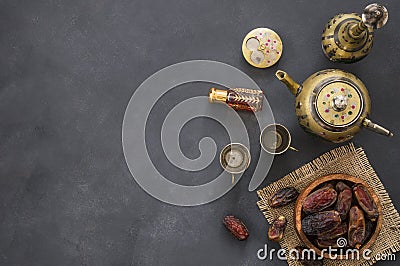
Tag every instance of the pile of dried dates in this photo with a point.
(281, 198)
(339, 210)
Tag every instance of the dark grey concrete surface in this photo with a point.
(67, 71)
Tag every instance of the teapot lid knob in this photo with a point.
(339, 102)
(375, 16)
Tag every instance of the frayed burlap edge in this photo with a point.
(346, 160)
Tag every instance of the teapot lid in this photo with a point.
(339, 103)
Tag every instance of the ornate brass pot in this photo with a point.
(348, 38)
(332, 104)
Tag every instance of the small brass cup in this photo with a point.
(235, 159)
(276, 139)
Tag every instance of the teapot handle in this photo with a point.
(376, 128)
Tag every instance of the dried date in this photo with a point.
(365, 201)
(326, 243)
(343, 203)
(356, 227)
(317, 223)
(340, 186)
(308, 258)
(236, 227)
(329, 184)
(335, 233)
(319, 200)
(277, 229)
(369, 228)
(283, 197)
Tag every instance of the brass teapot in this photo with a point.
(332, 104)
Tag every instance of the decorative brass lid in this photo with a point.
(262, 47)
(339, 104)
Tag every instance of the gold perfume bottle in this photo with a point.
(238, 98)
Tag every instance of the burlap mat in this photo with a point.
(344, 160)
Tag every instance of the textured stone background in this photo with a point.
(67, 71)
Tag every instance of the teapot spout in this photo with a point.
(292, 85)
(376, 128)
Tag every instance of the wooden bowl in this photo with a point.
(298, 214)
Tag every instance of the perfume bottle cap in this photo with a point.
(216, 95)
(262, 47)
